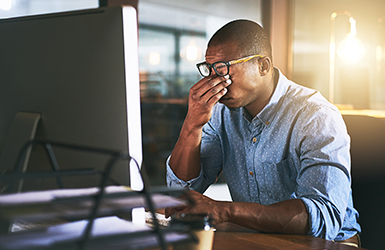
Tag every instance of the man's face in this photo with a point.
(245, 77)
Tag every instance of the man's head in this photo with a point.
(252, 80)
(249, 37)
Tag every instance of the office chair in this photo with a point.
(368, 175)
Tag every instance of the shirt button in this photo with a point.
(251, 173)
(254, 139)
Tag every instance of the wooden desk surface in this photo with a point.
(231, 236)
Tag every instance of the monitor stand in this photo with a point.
(23, 130)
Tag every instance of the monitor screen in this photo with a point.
(79, 71)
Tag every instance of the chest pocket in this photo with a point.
(277, 182)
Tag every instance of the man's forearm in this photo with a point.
(288, 216)
(185, 158)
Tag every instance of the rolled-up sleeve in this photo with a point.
(174, 181)
(324, 175)
(326, 203)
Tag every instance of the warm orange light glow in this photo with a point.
(351, 50)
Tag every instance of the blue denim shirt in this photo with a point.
(297, 147)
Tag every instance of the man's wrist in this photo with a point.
(190, 125)
(225, 208)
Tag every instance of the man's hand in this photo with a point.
(202, 98)
(201, 205)
(288, 216)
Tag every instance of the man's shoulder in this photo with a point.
(307, 98)
(296, 96)
(303, 104)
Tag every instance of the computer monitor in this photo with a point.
(76, 74)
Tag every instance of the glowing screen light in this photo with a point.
(5, 4)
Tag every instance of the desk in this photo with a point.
(230, 236)
(365, 112)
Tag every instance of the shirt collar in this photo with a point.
(268, 113)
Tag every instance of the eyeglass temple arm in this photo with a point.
(245, 59)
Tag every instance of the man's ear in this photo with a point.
(265, 66)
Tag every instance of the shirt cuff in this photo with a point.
(314, 215)
(173, 181)
(323, 221)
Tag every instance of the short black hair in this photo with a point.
(250, 37)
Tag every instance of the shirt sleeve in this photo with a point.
(174, 181)
(324, 175)
(211, 163)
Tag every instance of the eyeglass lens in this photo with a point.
(204, 69)
(220, 69)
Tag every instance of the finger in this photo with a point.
(169, 212)
(187, 210)
(215, 93)
(212, 86)
(192, 193)
(218, 90)
(202, 82)
(190, 196)
(216, 97)
(194, 209)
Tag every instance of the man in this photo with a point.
(283, 149)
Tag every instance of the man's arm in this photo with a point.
(185, 158)
(289, 216)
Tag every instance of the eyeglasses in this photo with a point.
(221, 68)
